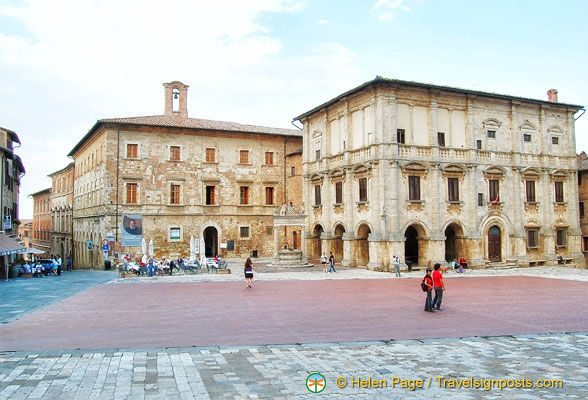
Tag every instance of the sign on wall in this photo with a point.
(132, 230)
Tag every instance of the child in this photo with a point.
(428, 280)
(324, 262)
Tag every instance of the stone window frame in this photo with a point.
(138, 193)
(561, 233)
(494, 173)
(241, 230)
(126, 156)
(169, 193)
(419, 170)
(211, 182)
(559, 177)
(169, 153)
(454, 171)
(272, 158)
(273, 195)
(215, 151)
(361, 172)
(556, 133)
(169, 233)
(532, 231)
(239, 159)
(491, 127)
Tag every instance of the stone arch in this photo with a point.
(337, 248)
(415, 245)
(317, 248)
(363, 248)
(488, 235)
(454, 241)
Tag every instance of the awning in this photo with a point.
(9, 246)
(32, 250)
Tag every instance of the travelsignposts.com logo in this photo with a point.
(316, 383)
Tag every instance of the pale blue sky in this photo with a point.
(66, 63)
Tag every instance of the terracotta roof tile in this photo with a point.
(197, 123)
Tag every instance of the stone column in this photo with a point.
(349, 250)
(276, 241)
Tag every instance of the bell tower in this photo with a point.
(176, 99)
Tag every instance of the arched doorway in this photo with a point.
(316, 241)
(210, 241)
(494, 244)
(454, 242)
(363, 248)
(338, 243)
(411, 245)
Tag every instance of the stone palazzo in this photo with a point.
(431, 173)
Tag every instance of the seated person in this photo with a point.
(26, 268)
(38, 270)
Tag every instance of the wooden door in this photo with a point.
(494, 240)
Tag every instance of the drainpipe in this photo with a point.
(117, 188)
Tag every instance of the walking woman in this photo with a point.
(248, 272)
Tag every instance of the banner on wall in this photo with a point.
(132, 230)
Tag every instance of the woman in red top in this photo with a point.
(429, 283)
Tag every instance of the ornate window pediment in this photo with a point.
(415, 168)
(559, 175)
(316, 177)
(317, 134)
(337, 173)
(492, 123)
(527, 126)
(494, 172)
(555, 129)
(530, 174)
(361, 169)
(454, 169)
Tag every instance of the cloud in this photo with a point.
(322, 21)
(386, 9)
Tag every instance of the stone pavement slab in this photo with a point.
(288, 312)
(550, 366)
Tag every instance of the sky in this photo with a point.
(66, 63)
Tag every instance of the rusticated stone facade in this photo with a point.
(431, 173)
(61, 207)
(219, 181)
(583, 200)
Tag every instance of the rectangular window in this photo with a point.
(244, 156)
(317, 195)
(585, 243)
(441, 139)
(292, 171)
(269, 158)
(174, 194)
(530, 186)
(174, 153)
(414, 187)
(244, 231)
(492, 134)
(526, 137)
(174, 233)
(210, 155)
(269, 230)
(479, 144)
(554, 140)
(244, 194)
(494, 191)
(561, 237)
(559, 192)
(532, 238)
(453, 189)
(338, 192)
(317, 154)
(131, 193)
(400, 136)
(582, 213)
(269, 196)
(132, 150)
(363, 194)
(210, 195)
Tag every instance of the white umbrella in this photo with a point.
(202, 250)
(143, 246)
(192, 245)
(151, 247)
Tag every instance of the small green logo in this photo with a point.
(316, 383)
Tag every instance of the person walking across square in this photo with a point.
(439, 287)
(324, 262)
(332, 262)
(248, 269)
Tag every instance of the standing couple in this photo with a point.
(434, 280)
